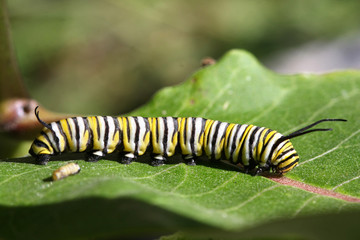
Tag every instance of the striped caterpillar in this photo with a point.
(255, 149)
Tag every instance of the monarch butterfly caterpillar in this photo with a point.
(65, 171)
(255, 149)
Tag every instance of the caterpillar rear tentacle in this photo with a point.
(258, 149)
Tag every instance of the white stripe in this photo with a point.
(81, 125)
(102, 132)
(238, 138)
(171, 129)
(256, 138)
(142, 132)
(188, 133)
(245, 157)
(131, 138)
(270, 144)
(51, 136)
(111, 124)
(198, 126)
(277, 149)
(213, 127)
(73, 131)
(284, 157)
(221, 133)
(161, 130)
(231, 140)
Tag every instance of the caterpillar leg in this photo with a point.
(43, 159)
(94, 156)
(157, 160)
(190, 160)
(128, 158)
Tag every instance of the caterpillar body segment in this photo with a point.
(256, 149)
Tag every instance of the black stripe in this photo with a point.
(222, 137)
(228, 139)
(137, 135)
(285, 152)
(98, 127)
(209, 131)
(128, 128)
(289, 165)
(276, 144)
(265, 145)
(147, 127)
(176, 129)
(70, 131)
(41, 144)
(48, 140)
(117, 128)
(289, 157)
(233, 145)
(185, 131)
(66, 147)
(243, 144)
(192, 136)
(90, 143)
(256, 144)
(166, 137)
(57, 140)
(106, 136)
(176, 126)
(147, 130)
(86, 127)
(202, 131)
(77, 133)
(251, 141)
(157, 131)
(203, 121)
(215, 136)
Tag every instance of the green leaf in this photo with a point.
(107, 199)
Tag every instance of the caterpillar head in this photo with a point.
(284, 155)
(42, 148)
(286, 158)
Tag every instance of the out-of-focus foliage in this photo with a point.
(115, 54)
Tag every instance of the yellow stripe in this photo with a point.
(237, 150)
(155, 139)
(259, 146)
(84, 141)
(288, 162)
(184, 150)
(126, 142)
(285, 147)
(219, 149)
(200, 143)
(265, 142)
(269, 136)
(114, 140)
(67, 132)
(208, 125)
(93, 126)
(228, 133)
(144, 141)
(174, 141)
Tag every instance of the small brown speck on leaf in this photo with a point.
(207, 61)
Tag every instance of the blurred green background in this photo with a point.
(110, 56)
